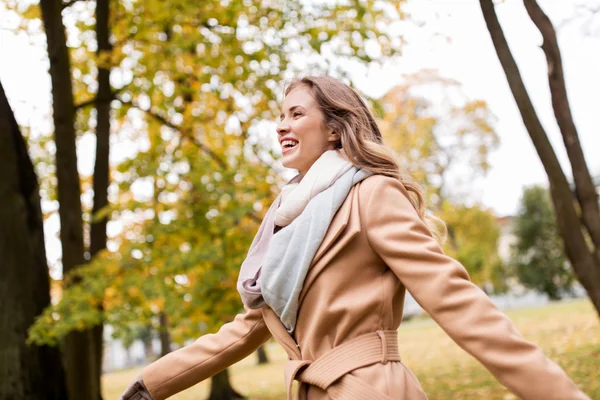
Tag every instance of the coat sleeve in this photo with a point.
(205, 357)
(442, 287)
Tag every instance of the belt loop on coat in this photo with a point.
(384, 350)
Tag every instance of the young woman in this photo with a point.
(328, 270)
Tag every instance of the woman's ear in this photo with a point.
(334, 137)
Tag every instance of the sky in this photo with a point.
(451, 38)
(464, 51)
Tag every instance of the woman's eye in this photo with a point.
(297, 114)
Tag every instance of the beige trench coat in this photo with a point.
(376, 248)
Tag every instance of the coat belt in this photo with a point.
(330, 371)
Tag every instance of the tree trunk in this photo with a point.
(147, 340)
(79, 349)
(585, 264)
(101, 166)
(262, 355)
(221, 389)
(165, 338)
(26, 372)
(584, 185)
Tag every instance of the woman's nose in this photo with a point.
(283, 128)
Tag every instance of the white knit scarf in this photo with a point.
(274, 270)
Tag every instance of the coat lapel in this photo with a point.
(280, 334)
(340, 221)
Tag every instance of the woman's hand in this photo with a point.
(136, 390)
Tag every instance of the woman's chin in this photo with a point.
(289, 165)
(288, 161)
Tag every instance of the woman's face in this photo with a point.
(301, 131)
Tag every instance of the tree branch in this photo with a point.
(254, 217)
(70, 3)
(163, 120)
(584, 186)
(94, 99)
(85, 103)
(582, 260)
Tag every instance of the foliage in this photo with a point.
(538, 256)
(436, 131)
(473, 235)
(192, 172)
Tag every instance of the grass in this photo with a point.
(568, 332)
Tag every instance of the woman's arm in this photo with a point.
(442, 287)
(202, 359)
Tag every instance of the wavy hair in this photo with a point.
(347, 114)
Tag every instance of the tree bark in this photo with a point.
(165, 337)
(79, 349)
(584, 185)
(221, 389)
(262, 355)
(585, 265)
(147, 340)
(101, 167)
(26, 372)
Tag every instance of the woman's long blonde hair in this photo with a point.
(347, 114)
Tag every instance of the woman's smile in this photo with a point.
(288, 145)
